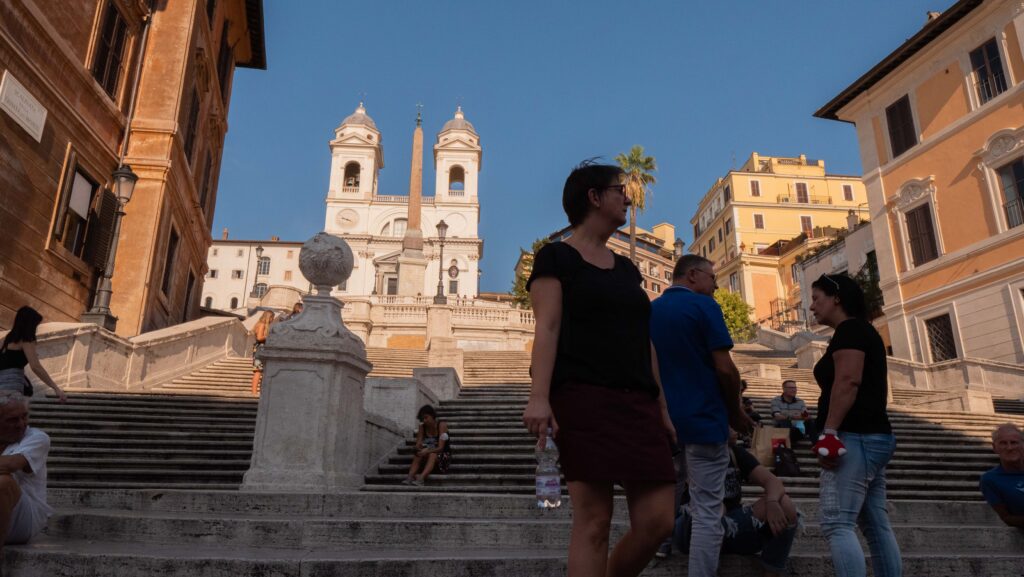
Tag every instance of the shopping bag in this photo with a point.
(765, 441)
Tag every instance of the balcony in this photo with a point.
(401, 199)
(803, 199)
(1014, 212)
(350, 189)
(456, 192)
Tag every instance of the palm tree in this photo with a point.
(638, 182)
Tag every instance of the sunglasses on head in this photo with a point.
(829, 279)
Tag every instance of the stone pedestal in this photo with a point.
(311, 423)
(412, 267)
(439, 325)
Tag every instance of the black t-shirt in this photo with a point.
(604, 337)
(868, 414)
(740, 467)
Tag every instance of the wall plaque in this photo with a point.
(20, 105)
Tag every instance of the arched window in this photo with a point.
(234, 303)
(208, 302)
(260, 289)
(351, 181)
(456, 181)
(263, 267)
(399, 228)
(386, 229)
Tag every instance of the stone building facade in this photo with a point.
(89, 85)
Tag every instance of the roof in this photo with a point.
(908, 49)
(360, 117)
(458, 123)
(257, 42)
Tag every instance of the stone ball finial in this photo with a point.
(326, 260)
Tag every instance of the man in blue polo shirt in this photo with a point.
(702, 391)
(1003, 486)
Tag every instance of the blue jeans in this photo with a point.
(745, 534)
(859, 486)
(703, 467)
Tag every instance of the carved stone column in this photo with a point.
(311, 424)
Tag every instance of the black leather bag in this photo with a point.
(27, 390)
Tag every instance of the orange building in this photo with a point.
(89, 85)
(940, 123)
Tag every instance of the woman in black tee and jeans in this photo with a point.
(852, 415)
(593, 381)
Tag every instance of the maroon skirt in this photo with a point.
(607, 434)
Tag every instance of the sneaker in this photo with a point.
(407, 481)
(664, 550)
(417, 482)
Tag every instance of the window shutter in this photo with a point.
(101, 230)
(921, 235)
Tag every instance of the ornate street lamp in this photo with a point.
(256, 277)
(124, 186)
(439, 298)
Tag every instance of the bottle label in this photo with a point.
(548, 485)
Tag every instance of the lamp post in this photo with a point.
(678, 246)
(439, 298)
(256, 277)
(124, 186)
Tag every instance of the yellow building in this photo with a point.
(941, 133)
(756, 221)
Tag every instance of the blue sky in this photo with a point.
(700, 84)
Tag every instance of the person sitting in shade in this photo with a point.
(1003, 486)
(790, 412)
(432, 447)
(23, 508)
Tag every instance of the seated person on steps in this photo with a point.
(1003, 486)
(432, 447)
(790, 412)
(23, 508)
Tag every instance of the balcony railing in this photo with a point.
(402, 199)
(352, 189)
(801, 199)
(456, 192)
(990, 86)
(1014, 212)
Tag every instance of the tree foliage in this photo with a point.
(520, 295)
(737, 315)
(639, 178)
(868, 279)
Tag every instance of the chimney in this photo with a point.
(224, 234)
(852, 220)
(932, 16)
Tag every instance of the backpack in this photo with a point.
(785, 462)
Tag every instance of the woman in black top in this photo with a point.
(593, 381)
(19, 349)
(856, 435)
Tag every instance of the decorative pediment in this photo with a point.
(912, 191)
(353, 139)
(391, 258)
(1000, 145)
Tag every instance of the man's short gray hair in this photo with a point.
(1007, 427)
(11, 397)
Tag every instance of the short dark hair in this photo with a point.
(851, 296)
(687, 262)
(426, 410)
(788, 381)
(587, 175)
(26, 321)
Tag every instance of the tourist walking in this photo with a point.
(432, 447)
(19, 349)
(856, 441)
(593, 381)
(261, 331)
(702, 391)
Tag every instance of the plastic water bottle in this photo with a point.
(829, 496)
(549, 484)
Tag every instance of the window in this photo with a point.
(921, 235)
(848, 192)
(287, 275)
(214, 252)
(224, 58)
(212, 274)
(399, 228)
(755, 188)
(172, 253)
(902, 136)
(211, 9)
(728, 225)
(290, 254)
(941, 343)
(457, 181)
(234, 303)
(208, 302)
(189, 288)
(711, 244)
(204, 184)
(453, 287)
(719, 235)
(759, 221)
(76, 203)
(987, 65)
(111, 45)
(260, 289)
(643, 282)
(236, 274)
(704, 251)
(392, 286)
(801, 193)
(1011, 177)
(668, 275)
(728, 193)
(656, 287)
(793, 273)
(343, 286)
(239, 252)
(807, 226)
(191, 127)
(351, 178)
(734, 282)
(263, 265)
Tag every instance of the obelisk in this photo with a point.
(412, 265)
